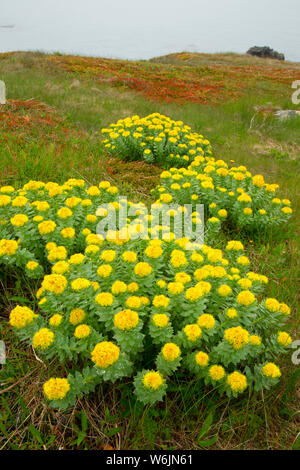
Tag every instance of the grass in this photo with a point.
(50, 130)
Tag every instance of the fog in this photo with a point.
(137, 29)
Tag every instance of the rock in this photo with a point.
(265, 52)
(286, 114)
(75, 84)
(2, 92)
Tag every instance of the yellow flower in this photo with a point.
(175, 288)
(192, 332)
(245, 298)
(64, 213)
(224, 290)
(105, 354)
(243, 260)
(93, 238)
(43, 338)
(272, 305)
(8, 247)
(142, 269)
(153, 251)
(133, 302)
(118, 287)
(104, 299)
(194, 293)
(129, 256)
(182, 277)
(19, 201)
(126, 319)
(82, 331)
(104, 270)
(255, 340)
(7, 189)
(77, 315)
(170, 351)
(104, 184)
(21, 317)
(201, 358)
(58, 253)
(55, 320)
(108, 255)
(72, 202)
(284, 338)
(160, 320)
(133, 287)
(234, 245)
(178, 259)
(237, 336)
(285, 309)
(56, 389)
(161, 283)
(153, 380)
(161, 301)
(271, 370)
(231, 313)
(32, 265)
(206, 321)
(55, 283)
(287, 210)
(80, 283)
(4, 200)
(68, 232)
(216, 372)
(237, 381)
(91, 249)
(93, 191)
(46, 227)
(244, 283)
(60, 267)
(76, 259)
(248, 211)
(19, 220)
(222, 213)
(196, 257)
(258, 180)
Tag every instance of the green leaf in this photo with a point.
(36, 434)
(206, 426)
(208, 442)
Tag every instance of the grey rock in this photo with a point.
(286, 114)
(265, 52)
(75, 84)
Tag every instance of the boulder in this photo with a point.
(265, 52)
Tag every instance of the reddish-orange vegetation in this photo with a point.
(33, 117)
(201, 84)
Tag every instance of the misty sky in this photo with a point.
(146, 28)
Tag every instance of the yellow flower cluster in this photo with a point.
(105, 354)
(225, 191)
(155, 138)
(56, 388)
(160, 295)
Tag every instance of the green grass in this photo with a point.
(61, 140)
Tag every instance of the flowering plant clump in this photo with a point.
(232, 194)
(41, 224)
(155, 139)
(148, 308)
